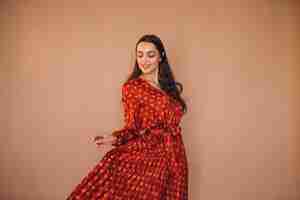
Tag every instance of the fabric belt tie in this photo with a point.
(174, 130)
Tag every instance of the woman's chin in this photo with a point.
(148, 71)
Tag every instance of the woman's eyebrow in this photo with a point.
(150, 51)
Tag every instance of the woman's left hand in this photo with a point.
(107, 139)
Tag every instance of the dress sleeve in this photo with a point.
(130, 106)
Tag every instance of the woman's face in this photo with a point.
(148, 57)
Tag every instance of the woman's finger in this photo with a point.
(99, 143)
(98, 137)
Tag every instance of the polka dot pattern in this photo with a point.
(149, 160)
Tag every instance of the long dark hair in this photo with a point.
(165, 76)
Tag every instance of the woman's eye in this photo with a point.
(150, 55)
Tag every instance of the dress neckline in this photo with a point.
(155, 88)
(160, 90)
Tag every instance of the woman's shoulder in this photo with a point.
(132, 85)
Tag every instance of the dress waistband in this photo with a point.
(172, 129)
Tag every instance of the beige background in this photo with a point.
(63, 63)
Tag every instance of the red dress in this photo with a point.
(148, 161)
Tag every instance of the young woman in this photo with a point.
(148, 161)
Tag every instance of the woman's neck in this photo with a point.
(152, 77)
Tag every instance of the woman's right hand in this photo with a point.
(107, 139)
